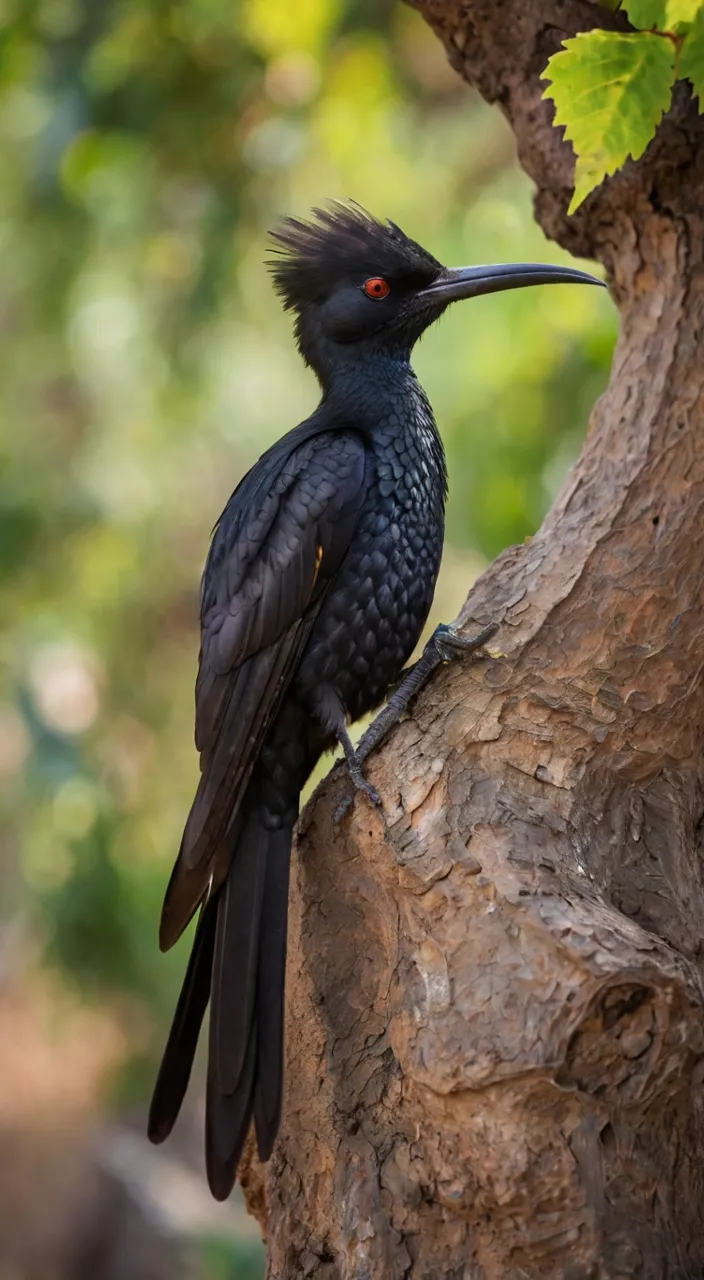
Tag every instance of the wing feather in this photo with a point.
(273, 555)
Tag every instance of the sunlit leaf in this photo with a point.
(610, 91)
(692, 58)
(666, 15)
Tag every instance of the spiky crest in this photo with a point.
(344, 242)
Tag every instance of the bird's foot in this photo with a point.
(447, 644)
(444, 645)
(359, 782)
(357, 778)
(342, 810)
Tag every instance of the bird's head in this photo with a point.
(357, 284)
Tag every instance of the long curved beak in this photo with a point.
(471, 282)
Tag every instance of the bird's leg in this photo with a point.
(354, 765)
(330, 712)
(443, 646)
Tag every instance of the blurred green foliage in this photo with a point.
(146, 146)
(228, 1259)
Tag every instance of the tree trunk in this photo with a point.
(495, 1031)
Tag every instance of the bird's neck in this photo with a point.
(362, 392)
(382, 398)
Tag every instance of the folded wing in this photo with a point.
(278, 544)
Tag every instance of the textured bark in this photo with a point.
(495, 1027)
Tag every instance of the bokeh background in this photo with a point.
(145, 148)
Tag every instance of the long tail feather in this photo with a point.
(227, 1120)
(236, 958)
(246, 1018)
(270, 993)
(239, 962)
(176, 1063)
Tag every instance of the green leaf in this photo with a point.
(610, 91)
(692, 58)
(681, 13)
(666, 15)
(646, 13)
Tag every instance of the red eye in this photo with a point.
(377, 287)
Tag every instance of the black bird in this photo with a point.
(319, 579)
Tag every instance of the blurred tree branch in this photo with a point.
(495, 1017)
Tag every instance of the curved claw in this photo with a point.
(342, 810)
(369, 791)
(449, 644)
(360, 785)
